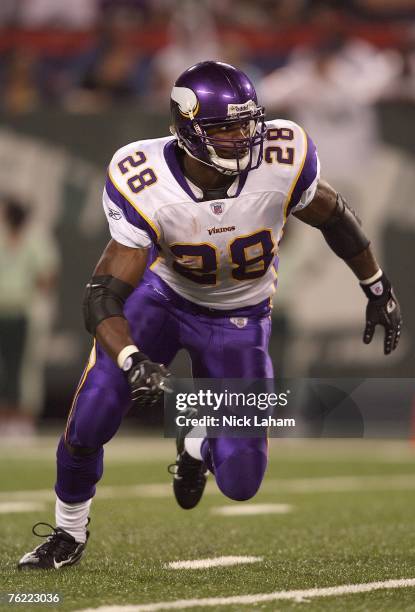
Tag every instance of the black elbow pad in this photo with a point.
(104, 298)
(343, 232)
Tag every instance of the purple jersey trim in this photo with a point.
(307, 176)
(174, 167)
(275, 265)
(172, 162)
(130, 213)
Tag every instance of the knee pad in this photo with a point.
(239, 476)
(79, 451)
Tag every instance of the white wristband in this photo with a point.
(372, 279)
(126, 352)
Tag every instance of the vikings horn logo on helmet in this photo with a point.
(187, 101)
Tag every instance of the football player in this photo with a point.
(212, 200)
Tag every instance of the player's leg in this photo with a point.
(103, 397)
(220, 349)
(96, 412)
(98, 406)
(101, 400)
(239, 464)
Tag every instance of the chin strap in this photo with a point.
(227, 166)
(217, 167)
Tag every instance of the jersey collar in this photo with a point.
(170, 155)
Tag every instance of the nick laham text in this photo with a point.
(233, 421)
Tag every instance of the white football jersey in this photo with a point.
(220, 253)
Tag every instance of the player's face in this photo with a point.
(226, 135)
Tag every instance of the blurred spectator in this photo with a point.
(259, 14)
(137, 13)
(284, 12)
(368, 10)
(404, 87)
(8, 12)
(234, 51)
(75, 15)
(20, 88)
(383, 10)
(114, 69)
(243, 13)
(327, 15)
(193, 38)
(104, 59)
(28, 266)
(332, 92)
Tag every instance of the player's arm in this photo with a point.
(342, 230)
(116, 275)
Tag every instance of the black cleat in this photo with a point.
(59, 550)
(189, 480)
(189, 474)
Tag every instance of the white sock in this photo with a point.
(73, 518)
(193, 446)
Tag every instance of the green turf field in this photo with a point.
(350, 521)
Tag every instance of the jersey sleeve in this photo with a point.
(121, 229)
(306, 183)
(128, 222)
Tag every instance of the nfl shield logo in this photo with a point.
(239, 322)
(217, 208)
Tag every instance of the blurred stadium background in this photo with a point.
(81, 78)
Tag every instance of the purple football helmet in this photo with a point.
(216, 95)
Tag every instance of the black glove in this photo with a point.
(147, 380)
(382, 309)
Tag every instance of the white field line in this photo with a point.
(341, 484)
(214, 562)
(105, 492)
(330, 484)
(21, 506)
(252, 509)
(246, 600)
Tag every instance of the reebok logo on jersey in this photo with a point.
(219, 230)
(114, 214)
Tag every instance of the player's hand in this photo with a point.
(147, 380)
(382, 309)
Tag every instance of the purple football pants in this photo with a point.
(162, 323)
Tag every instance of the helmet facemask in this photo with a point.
(238, 154)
